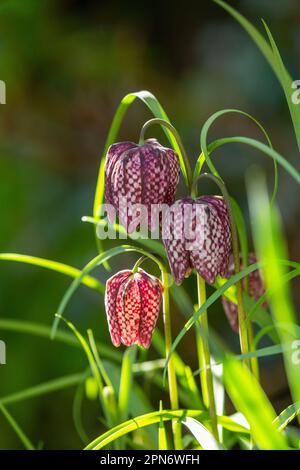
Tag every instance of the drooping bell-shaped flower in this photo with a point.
(196, 234)
(145, 175)
(132, 303)
(256, 290)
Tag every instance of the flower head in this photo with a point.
(256, 290)
(139, 174)
(132, 303)
(197, 235)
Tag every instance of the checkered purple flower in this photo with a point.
(132, 303)
(197, 235)
(256, 290)
(140, 174)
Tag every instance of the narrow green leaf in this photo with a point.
(43, 331)
(162, 435)
(155, 417)
(287, 415)
(43, 388)
(250, 399)
(20, 433)
(270, 247)
(272, 56)
(203, 435)
(54, 266)
(206, 149)
(126, 380)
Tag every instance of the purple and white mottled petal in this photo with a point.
(174, 241)
(151, 296)
(112, 287)
(146, 174)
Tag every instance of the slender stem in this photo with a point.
(236, 259)
(254, 360)
(205, 360)
(184, 161)
(201, 363)
(138, 263)
(176, 426)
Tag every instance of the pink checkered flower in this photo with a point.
(139, 175)
(256, 290)
(132, 303)
(197, 235)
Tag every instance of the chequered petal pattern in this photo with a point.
(174, 240)
(151, 296)
(132, 303)
(128, 308)
(256, 290)
(112, 287)
(146, 174)
(197, 235)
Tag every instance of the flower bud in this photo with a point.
(132, 303)
(197, 235)
(145, 174)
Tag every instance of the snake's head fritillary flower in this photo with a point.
(256, 290)
(145, 174)
(132, 303)
(197, 235)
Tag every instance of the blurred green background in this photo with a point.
(66, 65)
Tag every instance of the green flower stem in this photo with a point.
(254, 360)
(184, 161)
(206, 376)
(243, 334)
(176, 426)
(135, 268)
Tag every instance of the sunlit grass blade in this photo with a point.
(43, 331)
(20, 433)
(193, 389)
(106, 397)
(203, 435)
(53, 266)
(272, 56)
(250, 399)
(263, 298)
(287, 415)
(268, 151)
(43, 388)
(76, 412)
(155, 417)
(98, 360)
(126, 381)
(206, 149)
(241, 228)
(139, 422)
(271, 249)
(162, 435)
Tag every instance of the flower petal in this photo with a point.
(110, 300)
(151, 295)
(174, 240)
(128, 307)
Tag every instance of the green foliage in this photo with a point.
(130, 385)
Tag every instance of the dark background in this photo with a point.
(67, 65)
